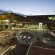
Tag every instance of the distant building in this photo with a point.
(41, 22)
(12, 20)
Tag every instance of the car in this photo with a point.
(25, 37)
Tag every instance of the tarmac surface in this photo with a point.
(18, 50)
(2, 49)
(39, 48)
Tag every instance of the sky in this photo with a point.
(29, 7)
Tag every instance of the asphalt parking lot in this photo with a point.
(21, 49)
(18, 50)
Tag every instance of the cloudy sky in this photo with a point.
(29, 7)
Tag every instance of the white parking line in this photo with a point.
(10, 48)
(44, 48)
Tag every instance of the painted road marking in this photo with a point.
(10, 48)
(43, 48)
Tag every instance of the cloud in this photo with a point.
(53, 11)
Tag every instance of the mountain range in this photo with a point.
(2, 11)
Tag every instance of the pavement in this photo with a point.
(2, 49)
(18, 50)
